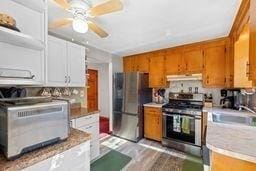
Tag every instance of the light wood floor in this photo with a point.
(145, 154)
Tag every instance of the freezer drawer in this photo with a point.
(126, 126)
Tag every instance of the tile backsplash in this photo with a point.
(78, 94)
(179, 86)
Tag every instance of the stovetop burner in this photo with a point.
(185, 101)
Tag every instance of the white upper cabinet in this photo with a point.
(22, 54)
(65, 64)
(76, 65)
(56, 62)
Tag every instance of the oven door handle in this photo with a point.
(192, 117)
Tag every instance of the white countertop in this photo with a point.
(152, 104)
(237, 141)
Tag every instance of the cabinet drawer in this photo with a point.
(87, 120)
(95, 149)
(152, 110)
(92, 129)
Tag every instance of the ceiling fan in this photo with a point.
(82, 13)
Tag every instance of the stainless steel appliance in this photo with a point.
(31, 122)
(182, 122)
(131, 91)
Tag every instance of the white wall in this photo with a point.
(117, 63)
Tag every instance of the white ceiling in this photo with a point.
(146, 25)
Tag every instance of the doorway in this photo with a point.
(94, 100)
(92, 90)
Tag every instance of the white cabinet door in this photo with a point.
(74, 159)
(76, 65)
(57, 62)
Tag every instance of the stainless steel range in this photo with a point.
(182, 122)
(30, 123)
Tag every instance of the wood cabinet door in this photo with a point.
(153, 123)
(215, 66)
(142, 62)
(252, 53)
(173, 62)
(149, 123)
(156, 70)
(128, 64)
(193, 60)
(222, 162)
(241, 60)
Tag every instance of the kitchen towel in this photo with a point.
(185, 125)
(176, 123)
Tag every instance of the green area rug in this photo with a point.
(192, 163)
(112, 161)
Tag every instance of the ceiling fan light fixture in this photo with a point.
(80, 25)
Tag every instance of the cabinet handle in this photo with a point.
(247, 69)
(66, 79)
(88, 127)
(207, 79)
(69, 79)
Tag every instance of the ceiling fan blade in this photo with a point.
(96, 29)
(107, 7)
(63, 3)
(60, 23)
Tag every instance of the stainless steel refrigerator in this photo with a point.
(131, 91)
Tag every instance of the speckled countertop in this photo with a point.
(75, 138)
(152, 104)
(77, 112)
(237, 141)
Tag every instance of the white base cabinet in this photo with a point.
(65, 64)
(90, 124)
(75, 159)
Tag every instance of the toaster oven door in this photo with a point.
(34, 126)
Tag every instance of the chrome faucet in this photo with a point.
(246, 108)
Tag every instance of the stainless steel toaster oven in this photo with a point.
(30, 123)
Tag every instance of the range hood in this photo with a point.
(191, 77)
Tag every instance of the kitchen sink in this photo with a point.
(233, 119)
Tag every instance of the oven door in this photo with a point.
(183, 128)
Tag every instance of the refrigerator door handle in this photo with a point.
(124, 82)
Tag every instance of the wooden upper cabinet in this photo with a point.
(128, 64)
(156, 70)
(252, 52)
(184, 60)
(142, 62)
(193, 60)
(215, 66)
(241, 60)
(173, 61)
